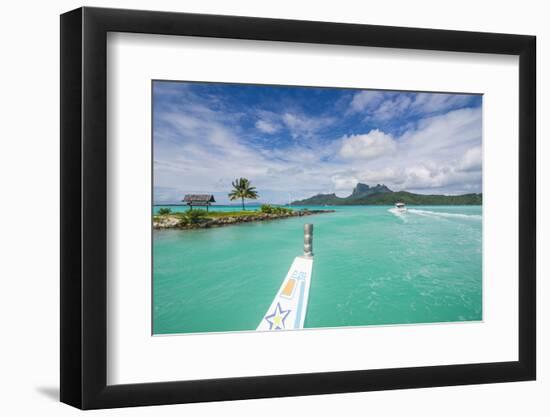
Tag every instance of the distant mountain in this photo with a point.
(320, 200)
(381, 195)
(363, 190)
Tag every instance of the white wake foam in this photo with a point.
(399, 213)
(430, 213)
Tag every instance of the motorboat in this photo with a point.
(400, 207)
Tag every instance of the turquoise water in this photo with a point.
(371, 267)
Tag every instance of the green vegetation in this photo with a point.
(216, 214)
(320, 200)
(199, 219)
(164, 210)
(428, 200)
(268, 209)
(242, 189)
(192, 217)
(363, 195)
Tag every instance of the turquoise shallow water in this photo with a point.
(371, 267)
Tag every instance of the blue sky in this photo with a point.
(295, 142)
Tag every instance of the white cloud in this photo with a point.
(365, 99)
(438, 102)
(383, 106)
(422, 177)
(196, 154)
(445, 136)
(344, 183)
(392, 108)
(198, 149)
(300, 125)
(384, 175)
(367, 146)
(266, 127)
(472, 160)
(439, 154)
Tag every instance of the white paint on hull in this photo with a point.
(289, 307)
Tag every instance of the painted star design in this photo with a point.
(277, 319)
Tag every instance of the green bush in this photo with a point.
(268, 209)
(195, 216)
(165, 210)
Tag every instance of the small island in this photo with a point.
(201, 219)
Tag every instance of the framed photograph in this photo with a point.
(257, 208)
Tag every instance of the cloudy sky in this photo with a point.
(295, 142)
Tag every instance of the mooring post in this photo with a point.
(308, 240)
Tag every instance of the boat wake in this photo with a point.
(439, 214)
(399, 213)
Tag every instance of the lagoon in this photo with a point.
(371, 267)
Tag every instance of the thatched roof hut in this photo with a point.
(198, 200)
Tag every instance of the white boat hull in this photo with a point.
(289, 307)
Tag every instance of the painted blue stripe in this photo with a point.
(300, 304)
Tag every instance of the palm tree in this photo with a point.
(242, 189)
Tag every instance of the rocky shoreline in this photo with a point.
(171, 221)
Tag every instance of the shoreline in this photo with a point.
(174, 221)
(305, 206)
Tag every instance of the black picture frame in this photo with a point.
(84, 207)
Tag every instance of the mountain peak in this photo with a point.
(362, 190)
